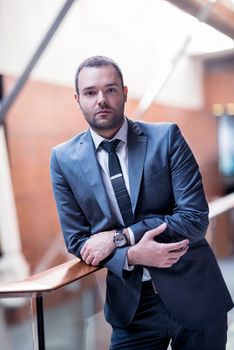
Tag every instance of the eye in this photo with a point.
(111, 90)
(90, 93)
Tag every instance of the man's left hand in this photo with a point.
(98, 247)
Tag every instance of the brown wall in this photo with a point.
(219, 80)
(44, 115)
(199, 129)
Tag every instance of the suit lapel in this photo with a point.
(137, 144)
(90, 166)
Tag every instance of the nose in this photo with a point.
(102, 100)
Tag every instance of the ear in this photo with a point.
(76, 97)
(125, 92)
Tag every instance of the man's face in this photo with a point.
(101, 99)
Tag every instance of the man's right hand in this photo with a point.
(148, 252)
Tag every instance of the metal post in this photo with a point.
(40, 323)
(9, 99)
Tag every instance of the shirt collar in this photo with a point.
(120, 135)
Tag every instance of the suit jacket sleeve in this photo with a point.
(76, 228)
(189, 217)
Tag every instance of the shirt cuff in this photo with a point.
(131, 236)
(126, 266)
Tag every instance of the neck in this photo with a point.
(108, 134)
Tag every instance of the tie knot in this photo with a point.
(110, 146)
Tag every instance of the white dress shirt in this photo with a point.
(102, 157)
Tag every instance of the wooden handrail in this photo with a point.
(75, 269)
(48, 280)
(220, 205)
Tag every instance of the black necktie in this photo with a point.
(117, 181)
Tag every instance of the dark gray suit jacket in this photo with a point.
(166, 186)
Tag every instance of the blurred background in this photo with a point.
(177, 59)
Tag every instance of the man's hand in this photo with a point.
(98, 247)
(147, 252)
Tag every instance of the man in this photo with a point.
(136, 205)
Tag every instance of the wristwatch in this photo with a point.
(120, 238)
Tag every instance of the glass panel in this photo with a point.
(16, 324)
(227, 268)
(74, 316)
(226, 146)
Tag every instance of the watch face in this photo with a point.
(120, 239)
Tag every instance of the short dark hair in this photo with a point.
(97, 61)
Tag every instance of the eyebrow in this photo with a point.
(93, 87)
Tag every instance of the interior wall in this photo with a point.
(199, 129)
(219, 90)
(45, 115)
(218, 81)
(42, 116)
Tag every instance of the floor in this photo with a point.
(85, 328)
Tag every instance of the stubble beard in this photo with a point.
(104, 123)
(109, 123)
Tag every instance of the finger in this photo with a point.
(173, 255)
(177, 246)
(82, 252)
(155, 231)
(183, 251)
(178, 250)
(83, 249)
(95, 262)
(173, 260)
(89, 260)
(85, 255)
(167, 265)
(177, 255)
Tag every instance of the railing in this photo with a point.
(219, 233)
(40, 286)
(37, 286)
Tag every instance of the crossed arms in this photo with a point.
(186, 224)
(146, 252)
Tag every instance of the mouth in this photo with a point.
(104, 111)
